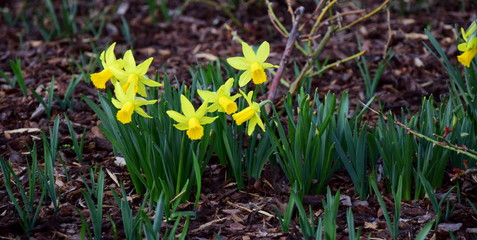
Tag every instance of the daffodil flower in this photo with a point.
(133, 74)
(128, 103)
(252, 113)
(221, 100)
(469, 46)
(253, 63)
(191, 120)
(109, 62)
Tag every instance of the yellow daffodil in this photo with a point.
(128, 103)
(191, 120)
(135, 74)
(109, 62)
(253, 63)
(221, 100)
(469, 46)
(252, 113)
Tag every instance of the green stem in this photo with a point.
(262, 103)
(181, 165)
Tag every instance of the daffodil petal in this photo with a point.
(239, 63)
(118, 63)
(207, 96)
(263, 52)
(110, 57)
(462, 47)
(131, 92)
(119, 74)
(228, 85)
(202, 110)
(142, 68)
(259, 121)
(149, 82)
(464, 34)
(129, 62)
(118, 91)
(103, 60)
(141, 90)
(249, 98)
(248, 52)
(249, 101)
(141, 112)
(268, 65)
(207, 120)
(234, 97)
(245, 78)
(212, 108)
(187, 107)
(182, 126)
(116, 103)
(251, 126)
(176, 116)
(141, 101)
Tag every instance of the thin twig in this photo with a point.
(234, 33)
(308, 66)
(339, 15)
(275, 22)
(466, 172)
(446, 145)
(390, 33)
(364, 17)
(323, 42)
(286, 54)
(304, 71)
(320, 17)
(337, 63)
(290, 10)
(315, 12)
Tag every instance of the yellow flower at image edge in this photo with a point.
(469, 46)
(109, 62)
(221, 100)
(253, 63)
(252, 113)
(467, 57)
(128, 103)
(191, 120)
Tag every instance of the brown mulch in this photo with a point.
(197, 36)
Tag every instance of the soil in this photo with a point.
(197, 35)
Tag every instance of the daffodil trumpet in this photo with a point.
(250, 114)
(109, 63)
